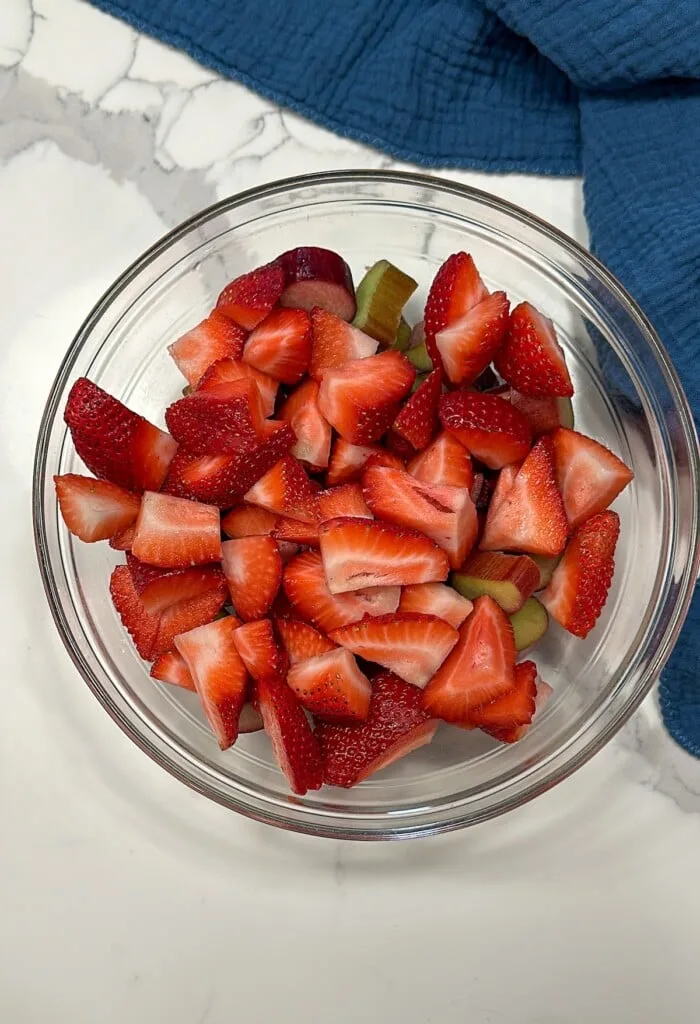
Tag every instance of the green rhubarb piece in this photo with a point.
(508, 579)
(403, 336)
(546, 565)
(529, 624)
(381, 295)
(419, 357)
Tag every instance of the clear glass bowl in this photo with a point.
(627, 394)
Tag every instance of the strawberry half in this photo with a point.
(161, 588)
(248, 299)
(301, 641)
(332, 686)
(286, 490)
(248, 521)
(219, 675)
(95, 509)
(444, 462)
(396, 724)
(293, 742)
(360, 553)
(313, 433)
(253, 569)
(468, 345)
(436, 599)
(418, 420)
(589, 476)
(217, 337)
(344, 500)
(258, 649)
(347, 461)
(334, 342)
(281, 345)
(361, 398)
(445, 514)
(296, 532)
(220, 421)
(171, 667)
(456, 289)
(225, 371)
(305, 585)
(176, 533)
(578, 590)
(115, 443)
(480, 668)
(530, 358)
(487, 425)
(411, 645)
(530, 516)
(514, 708)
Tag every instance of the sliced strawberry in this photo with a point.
(249, 298)
(296, 532)
(359, 553)
(335, 342)
(531, 359)
(176, 533)
(331, 686)
(123, 540)
(293, 742)
(253, 569)
(444, 462)
(187, 615)
(220, 421)
(225, 371)
(407, 643)
(480, 668)
(161, 588)
(217, 337)
(281, 345)
(248, 521)
(313, 433)
(361, 398)
(219, 675)
(436, 599)
(305, 585)
(578, 590)
(514, 733)
(589, 476)
(418, 420)
(258, 649)
(543, 414)
(445, 514)
(286, 490)
(318, 277)
(381, 457)
(95, 509)
(468, 345)
(514, 708)
(171, 667)
(115, 443)
(456, 289)
(141, 627)
(399, 446)
(487, 425)
(302, 641)
(344, 500)
(347, 462)
(530, 516)
(396, 725)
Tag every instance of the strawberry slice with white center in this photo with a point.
(456, 289)
(293, 742)
(258, 649)
(480, 668)
(468, 345)
(219, 421)
(305, 585)
(281, 345)
(515, 708)
(225, 371)
(334, 342)
(504, 482)
(347, 461)
(301, 641)
(248, 299)
(343, 500)
(253, 569)
(411, 645)
(530, 358)
(161, 588)
(360, 553)
(487, 425)
(217, 337)
(95, 509)
(295, 532)
(317, 277)
(176, 533)
(396, 725)
(530, 516)
(361, 399)
(248, 521)
(286, 490)
(332, 686)
(171, 667)
(418, 420)
(445, 514)
(578, 590)
(301, 411)
(436, 599)
(589, 476)
(511, 734)
(115, 443)
(219, 675)
(444, 462)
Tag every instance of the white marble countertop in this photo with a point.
(126, 897)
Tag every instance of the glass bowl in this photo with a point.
(627, 394)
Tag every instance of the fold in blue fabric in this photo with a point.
(610, 90)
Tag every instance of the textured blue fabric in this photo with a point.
(609, 88)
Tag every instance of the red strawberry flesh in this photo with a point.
(487, 425)
(249, 298)
(95, 509)
(293, 741)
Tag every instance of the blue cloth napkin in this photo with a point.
(606, 88)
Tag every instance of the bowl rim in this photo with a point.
(684, 592)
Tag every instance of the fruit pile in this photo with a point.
(340, 535)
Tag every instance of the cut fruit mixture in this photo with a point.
(353, 527)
